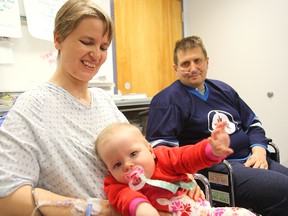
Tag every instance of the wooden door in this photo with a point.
(145, 35)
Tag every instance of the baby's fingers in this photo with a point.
(221, 125)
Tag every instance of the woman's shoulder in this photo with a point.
(100, 94)
(103, 98)
(36, 94)
(32, 101)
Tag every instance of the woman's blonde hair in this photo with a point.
(73, 11)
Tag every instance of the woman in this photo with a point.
(47, 138)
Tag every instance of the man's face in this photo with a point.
(192, 67)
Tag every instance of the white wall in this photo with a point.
(247, 42)
(35, 60)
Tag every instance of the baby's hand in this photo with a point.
(220, 141)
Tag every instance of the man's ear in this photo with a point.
(57, 41)
(175, 68)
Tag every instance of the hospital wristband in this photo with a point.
(35, 202)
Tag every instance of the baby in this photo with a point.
(144, 180)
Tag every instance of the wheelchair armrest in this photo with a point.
(221, 183)
(275, 155)
(206, 184)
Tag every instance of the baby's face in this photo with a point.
(123, 151)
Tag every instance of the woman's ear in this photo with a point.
(57, 41)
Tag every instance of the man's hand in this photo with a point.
(257, 159)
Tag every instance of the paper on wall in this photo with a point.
(10, 23)
(40, 16)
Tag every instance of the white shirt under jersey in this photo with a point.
(47, 140)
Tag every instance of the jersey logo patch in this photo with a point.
(216, 116)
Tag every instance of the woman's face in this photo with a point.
(83, 51)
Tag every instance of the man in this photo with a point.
(190, 108)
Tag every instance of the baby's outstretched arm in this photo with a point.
(220, 141)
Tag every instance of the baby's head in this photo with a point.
(121, 146)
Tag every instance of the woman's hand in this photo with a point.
(107, 209)
(161, 213)
(145, 208)
(196, 192)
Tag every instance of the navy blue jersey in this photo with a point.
(179, 115)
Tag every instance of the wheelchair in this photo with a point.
(220, 188)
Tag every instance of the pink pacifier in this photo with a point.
(135, 178)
